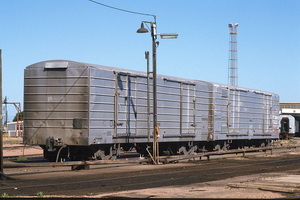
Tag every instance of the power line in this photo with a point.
(123, 10)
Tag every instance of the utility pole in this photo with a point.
(148, 93)
(2, 175)
(1, 132)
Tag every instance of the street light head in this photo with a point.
(233, 25)
(168, 35)
(142, 29)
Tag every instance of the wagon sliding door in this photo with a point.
(177, 109)
(233, 112)
(188, 109)
(131, 106)
(267, 124)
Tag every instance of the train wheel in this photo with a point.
(50, 156)
(127, 147)
(141, 149)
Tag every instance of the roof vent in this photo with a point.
(56, 65)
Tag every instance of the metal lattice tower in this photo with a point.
(4, 111)
(233, 59)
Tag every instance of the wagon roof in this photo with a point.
(72, 64)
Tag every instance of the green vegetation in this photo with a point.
(4, 195)
(22, 158)
(14, 142)
(18, 116)
(293, 142)
(40, 194)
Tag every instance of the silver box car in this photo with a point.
(83, 105)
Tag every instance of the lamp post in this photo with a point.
(142, 29)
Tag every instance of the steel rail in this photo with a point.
(208, 154)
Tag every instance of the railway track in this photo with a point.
(32, 160)
(120, 178)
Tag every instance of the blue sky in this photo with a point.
(79, 30)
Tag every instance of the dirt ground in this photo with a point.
(225, 188)
(12, 146)
(214, 189)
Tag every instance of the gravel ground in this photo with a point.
(196, 191)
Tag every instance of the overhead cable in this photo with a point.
(123, 10)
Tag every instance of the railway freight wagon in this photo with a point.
(83, 111)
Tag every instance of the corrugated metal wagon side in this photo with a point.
(245, 116)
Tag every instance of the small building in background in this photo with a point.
(14, 129)
(288, 126)
(289, 119)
